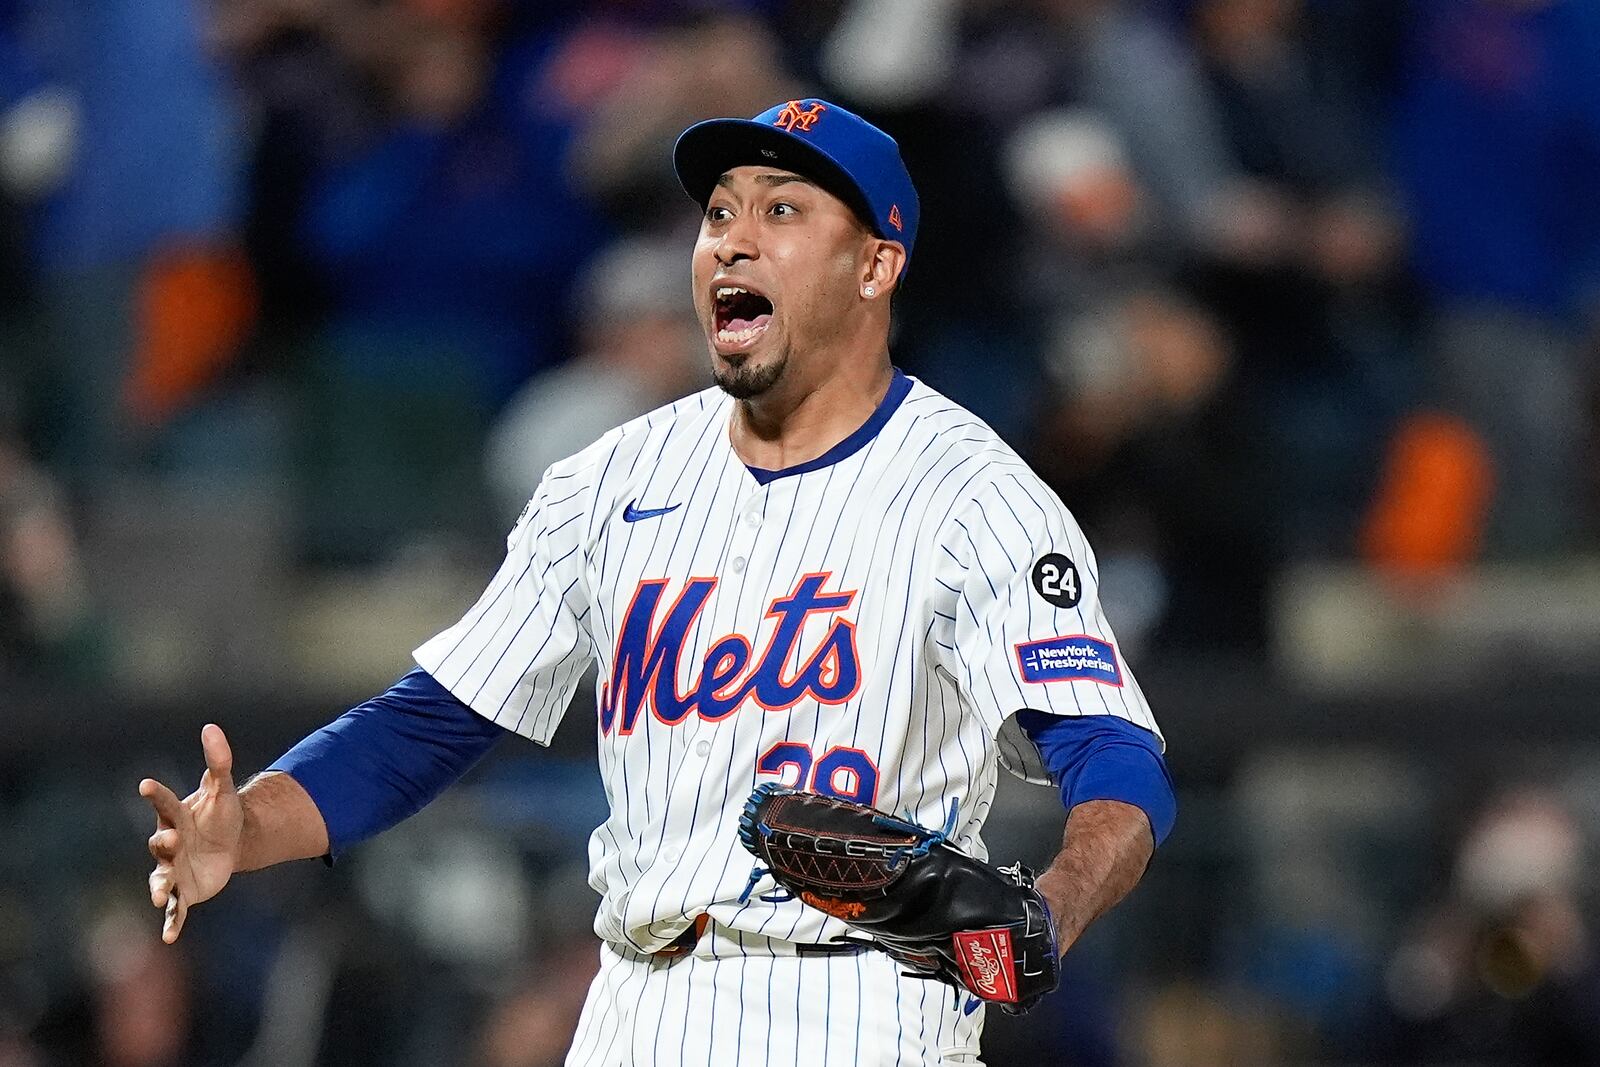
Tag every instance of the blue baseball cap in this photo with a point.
(837, 149)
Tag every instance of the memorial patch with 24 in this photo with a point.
(1055, 578)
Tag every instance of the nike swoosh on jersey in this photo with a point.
(633, 514)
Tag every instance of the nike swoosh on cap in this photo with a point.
(634, 514)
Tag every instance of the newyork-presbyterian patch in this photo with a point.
(1073, 658)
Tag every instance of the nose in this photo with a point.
(738, 241)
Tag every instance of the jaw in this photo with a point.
(745, 376)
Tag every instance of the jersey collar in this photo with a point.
(899, 386)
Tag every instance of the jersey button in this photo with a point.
(670, 855)
(753, 519)
(703, 748)
(738, 564)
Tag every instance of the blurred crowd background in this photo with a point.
(1295, 302)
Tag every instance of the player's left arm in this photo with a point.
(1120, 807)
(1104, 852)
(1029, 638)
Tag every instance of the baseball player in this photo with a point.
(820, 574)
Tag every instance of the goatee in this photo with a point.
(746, 379)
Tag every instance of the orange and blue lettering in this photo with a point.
(648, 655)
(795, 120)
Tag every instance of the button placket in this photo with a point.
(741, 549)
(746, 530)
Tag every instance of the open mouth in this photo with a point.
(741, 314)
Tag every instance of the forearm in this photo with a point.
(387, 758)
(1104, 852)
(281, 823)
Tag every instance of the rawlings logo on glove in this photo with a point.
(937, 911)
(985, 960)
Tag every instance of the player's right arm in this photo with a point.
(510, 664)
(376, 765)
(202, 839)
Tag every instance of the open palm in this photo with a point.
(196, 843)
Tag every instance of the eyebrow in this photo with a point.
(773, 180)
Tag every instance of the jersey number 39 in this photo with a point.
(846, 773)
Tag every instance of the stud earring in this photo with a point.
(869, 292)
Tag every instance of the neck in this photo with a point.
(794, 423)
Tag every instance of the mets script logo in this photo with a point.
(793, 119)
(644, 669)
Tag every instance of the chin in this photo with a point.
(745, 376)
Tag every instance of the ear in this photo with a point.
(882, 270)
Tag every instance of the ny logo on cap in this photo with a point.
(894, 216)
(793, 119)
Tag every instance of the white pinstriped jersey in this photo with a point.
(863, 625)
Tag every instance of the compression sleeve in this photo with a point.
(385, 759)
(1104, 757)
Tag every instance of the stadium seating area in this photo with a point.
(1296, 303)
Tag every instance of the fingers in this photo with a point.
(164, 845)
(219, 757)
(170, 813)
(169, 809)
(164, 894)
(163, 886)
(177, 912)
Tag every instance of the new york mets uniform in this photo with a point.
(863, 625)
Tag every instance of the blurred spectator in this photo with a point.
(304, 73)
(892, 53)
(457, 230)
(448, 247)
(44, 604)
(698, 60)
(1498, 150)
(533, 1025)
(1094, 116)
(1505, 970)
(36, 130)
(1231, 180)
(141, 995)
(134, 149)
(1096, 227)
(641, 348)
(1428, 511)
(1319, 310)
(1283, 124)
(1128, 67)
(1153, 449)
(192, 309)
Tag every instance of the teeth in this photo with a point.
(731, 337)
(730, 290)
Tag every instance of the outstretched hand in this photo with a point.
(196, 843)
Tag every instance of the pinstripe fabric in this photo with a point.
(932, 525)
(772, 1011)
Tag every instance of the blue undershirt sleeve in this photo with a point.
(385, 759)
(1103, 757)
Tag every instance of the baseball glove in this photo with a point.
(937, 911)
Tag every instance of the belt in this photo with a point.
(685, 942)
